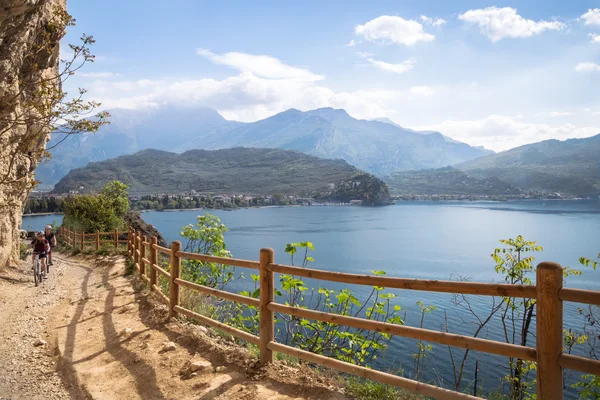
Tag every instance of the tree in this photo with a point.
(515, 262)
(115, 193)
(206, 237)
(40, 106)
(279, 198)
(102, 212)
(358, 346)
(589, 385)
(515, 265)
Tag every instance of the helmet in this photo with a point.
(40, 233)
(48, 227)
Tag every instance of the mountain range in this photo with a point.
(378, 147)
(571, 166)
(447, 181)
(251, 171)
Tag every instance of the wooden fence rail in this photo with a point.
(78, 239)
(548, 293)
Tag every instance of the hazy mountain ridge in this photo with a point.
(238, 170)
(571, 166)
(169, 128)
(376, 147)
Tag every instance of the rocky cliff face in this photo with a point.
(29, 54)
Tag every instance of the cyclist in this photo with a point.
(40, 246)
(51, 238)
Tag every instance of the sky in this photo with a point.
(498, 75)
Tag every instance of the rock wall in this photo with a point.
(29, 54)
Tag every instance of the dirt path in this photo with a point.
(108, 339)
(28, 371)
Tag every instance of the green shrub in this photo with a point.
(102, 212)
(23, 250)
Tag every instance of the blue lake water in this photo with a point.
(38, 222)
(426, 240)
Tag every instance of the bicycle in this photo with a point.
(48, 261)
(38, 274)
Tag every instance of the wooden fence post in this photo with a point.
(267, 332)
(175, 273)
(116, 238)
(97, 240)
(82, 240)
(136, 246)
(129, 242)
(153, 260)
(549, 331)
(143, 255)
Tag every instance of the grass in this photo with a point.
(364, 389)
(129, 267)
(289, 360)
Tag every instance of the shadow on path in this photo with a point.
(143, 373)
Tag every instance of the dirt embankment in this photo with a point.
(107, 338)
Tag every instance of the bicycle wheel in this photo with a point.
(36, 277)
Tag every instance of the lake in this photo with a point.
(38, 222)
(426, 240)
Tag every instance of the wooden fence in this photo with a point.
(548, 292)
(95, 240)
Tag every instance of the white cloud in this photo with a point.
(400, 68)
(433, 21)
(260, 65)
(592, 17)
(422, 90)
(351, 43)
(553, 114)
(587, 67)
(594, 38)
(247, 97)
(100, 75)
(499, 23)
(244, 97)
(498, 132)
(392, 29)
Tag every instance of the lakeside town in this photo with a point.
(45, 202)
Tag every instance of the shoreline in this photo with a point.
(42, 214)
(393, 202)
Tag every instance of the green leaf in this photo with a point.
(307, 244)
(290, 249)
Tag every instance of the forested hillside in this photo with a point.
(571, 166)
(239, 170)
